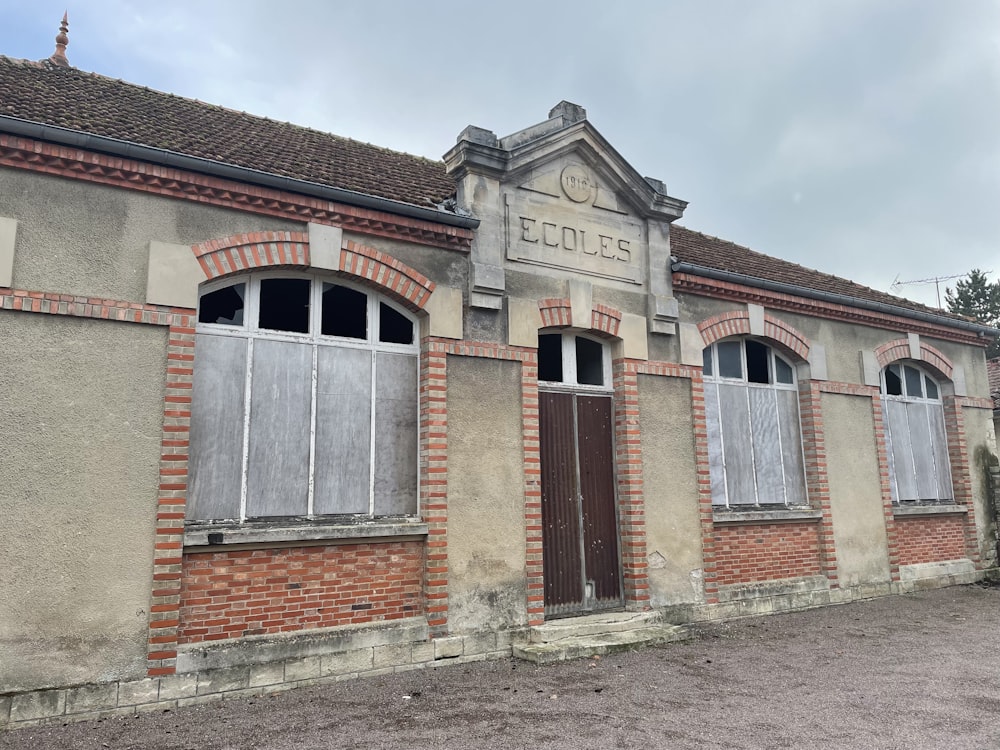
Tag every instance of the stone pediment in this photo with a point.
(557, 199)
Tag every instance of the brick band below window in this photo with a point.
(751, 553)
(233, 594)
(931, 539)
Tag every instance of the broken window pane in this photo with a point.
(223, 306)
(284, 305)
(589, 362)
(913, 382)
(393, 326)
(893, 383)
(345, 312)
(730, 365)
(550, 357)
(757, 356)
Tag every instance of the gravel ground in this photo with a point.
(915, 671)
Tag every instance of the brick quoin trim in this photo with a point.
(930, 539)
(817, 479)
(752, 553)
(433, 460)
(245, 252)
(233, 594)
(737, 323)
(631, 501)
(900, 349)
(961, 477)
(705, 287)
(77, 164)
(885, 483)
(164, 617)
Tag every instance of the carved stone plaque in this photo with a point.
(562, 216)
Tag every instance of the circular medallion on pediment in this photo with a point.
(577, 182)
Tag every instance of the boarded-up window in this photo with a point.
(304, 402)
(915, 435)
(752, 415)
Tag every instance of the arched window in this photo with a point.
(752, 418)
(915, 435)
(304, 401)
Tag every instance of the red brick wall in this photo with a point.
(748, 553)
(930, 539)
(252, 592)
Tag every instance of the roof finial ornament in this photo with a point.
(62, 40)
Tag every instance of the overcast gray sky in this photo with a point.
(859, 137)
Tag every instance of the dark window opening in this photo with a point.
(223, 306)
(893, 383)
(393, 327)
(550, 357)
(589, 362)
(284, 305)
(345, 312)
(757, 356)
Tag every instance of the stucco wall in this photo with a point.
(982, 448)
(84, 239)
(673, 541)
(486, 534)
(81, 405)
(855, 491)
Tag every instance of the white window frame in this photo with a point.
(568, 350)
(251, 331)
(943, 465)
(714, 380)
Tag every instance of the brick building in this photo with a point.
(277, 406)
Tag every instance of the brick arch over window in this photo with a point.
(558, 313)
(244, 252)
(737, 323)
(900, 349)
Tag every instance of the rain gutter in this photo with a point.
(127, 149)
(832, 297)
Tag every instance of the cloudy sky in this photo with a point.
(860, 137)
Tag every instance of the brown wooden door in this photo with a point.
(579, 518)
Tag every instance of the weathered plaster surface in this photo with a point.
(90, 240)
(855, 496)
(81, 402)
(486, 534)
(673, 542)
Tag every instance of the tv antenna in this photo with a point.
(935, 280)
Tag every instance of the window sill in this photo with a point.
(930, 509)
(776, 515)
(212, 535)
